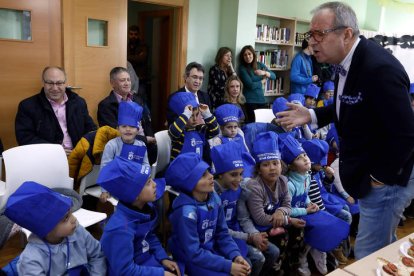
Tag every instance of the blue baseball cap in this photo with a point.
(279, 105)
(37, 208)
(228, 113)
(185, 171)
(317, 150)
(125, 179)
(266, 147)
(179, 100)
(291, 149)
(227, 157)
(129, 114)
(312, 91)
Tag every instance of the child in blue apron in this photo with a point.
(200, 240)
(129, 241)
(127, 146)
(311, 95)
(228, 161)
(228, 117)
(269, 201)
(323, 231)
(193, 126)
(57, 244)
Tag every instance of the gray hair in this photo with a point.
(344, 15)
(115, 71)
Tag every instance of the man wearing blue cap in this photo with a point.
(376, 135)
(193, 126)
(126, 145)
(200, 240)
(129, 242)
(57, 245)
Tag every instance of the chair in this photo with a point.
(163, 152)
(46, 164)
(264, 115)
(88, 185)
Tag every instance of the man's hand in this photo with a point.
(296, 116)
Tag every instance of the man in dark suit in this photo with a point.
(374, 120)
(193, 79)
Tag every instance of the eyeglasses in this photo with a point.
(319, 35)
(51, 83)
(194, 78)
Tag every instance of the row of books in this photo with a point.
(274, 87)
(299, 38)
(274, 59)
(272, 34)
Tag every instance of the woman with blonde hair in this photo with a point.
(233, 93)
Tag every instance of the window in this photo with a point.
(97, 32)
(15, 24)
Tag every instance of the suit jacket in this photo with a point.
(203, 98)
(376, 122)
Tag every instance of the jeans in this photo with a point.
(345, 215)
(263, 262)
(380, 213)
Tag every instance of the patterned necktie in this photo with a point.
(339, 69)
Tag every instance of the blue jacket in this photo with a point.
(300, 73)
(253, 87)
(130, 245)
(200, 236)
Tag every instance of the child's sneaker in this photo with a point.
(320, 260)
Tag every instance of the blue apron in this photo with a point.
(269, 209)
(193, 142)
(323, 231)
(133, 152)
(229, 199)
(332, 204)
(248, 160)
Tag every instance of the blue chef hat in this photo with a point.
(328, 85)
(227, 157)
(412, 88)
(185, 171)
(129, 114)
(291, 149)
(312, 91)
(317, 150)
(266, 147)
(125, 179)
(228, 113)
(332, 135)
(296, 98)
(37, 208)
(179, 100)
(279, 105)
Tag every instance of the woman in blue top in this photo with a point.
(301, 72)
(254, 75)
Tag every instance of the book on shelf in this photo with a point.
(274, 59)
(272, 34)
(274, 87)
(299, 38)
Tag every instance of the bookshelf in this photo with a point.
(277, 41)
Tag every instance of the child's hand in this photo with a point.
(350, 200)
(240, 267)
(329, 172)
(167, 273)
(104, 197)
(312, 208)
(204, 108)
(278, 219)
(298, 223)
(151, 140)
(260, 241)
(172, 266)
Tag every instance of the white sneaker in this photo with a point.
(320, 260)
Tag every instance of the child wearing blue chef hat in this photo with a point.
(328, 89)
(126, 145)
(228, 161)
(228, 116)
(57, 245)
(200, 240)
(323, 231)
(311, 95)
(193, 126)
(323, 176)
(269, 201)
(302, 132)
(128, 241)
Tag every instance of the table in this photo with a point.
(369, 264)
(339, 272)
